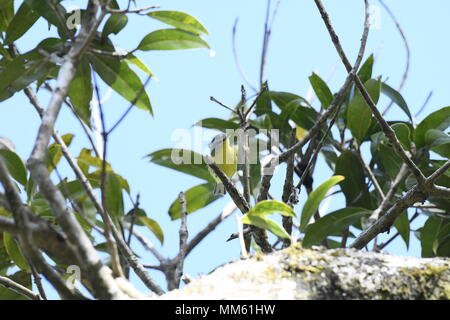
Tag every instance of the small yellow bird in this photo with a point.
(225, 156)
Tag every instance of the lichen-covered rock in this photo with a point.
(297, 273)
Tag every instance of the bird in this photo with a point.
(224, 155)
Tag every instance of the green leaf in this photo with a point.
(314, 200)
(390, 160)
(429, 236)
(359, 115)
(80, 91)
(182, 160)
(281, 99)
(47, 10)
(267, 207)
(179, 20)
(138, 214)
(95, 177)
(114, 196)
(397, 98)
(443, 249)
(23, 20)
(118, 75)
(439, 142)
(86, 160)
(14, 251)
(402, 226)
(332, 224)
(365, 72)
(321, 89)
(115, 23)
(266, 224)
(196, 198)
(218, 124)
(295, 110)
(403, 134)
(54, 152)
(15, 165)
(264, 103)
(6, 13)
(171, 39)
(21, 72)
(439, 120)
(154, 227)
(132, 59)
(354, 186)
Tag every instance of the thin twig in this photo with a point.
(37, 281)
(227, 211)
(148, 245)
(402, 173)
(244, 253)
(350, 69)
(21, 216)
(370, 174)
(237, 197)
(112, 248)
(18, 288)
(236, 57)
(424, 104)
(223, 105)
(174, 283)
(407, 50)
(133, 102)
(383, 245)
(133, 219)
(140, 11)
(265, 44)
(288, 190)
(388, 131)
(103, 283)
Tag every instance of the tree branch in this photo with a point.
(18, 288)
(388, 131)
(103, 284)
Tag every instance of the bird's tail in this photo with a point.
(219, 189)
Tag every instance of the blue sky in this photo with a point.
(299, 45)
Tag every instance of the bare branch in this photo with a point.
(259, 234)
(439, 172)
(265, 44)
(138, 96)
(148, 245)
(370, 174)
(18, 288)
(223, 105)
(237, 197)
(388, 131)
(111, 246)
(140, 11)
(227, 211)
(403, 172)
(337, 101)
(288, 190)
(383, 245)
(22, 216)
(408, 53)
(178, 261)
(385, 222)
(244, 253)
(99, 275)
(236, 57)
(424, 105)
